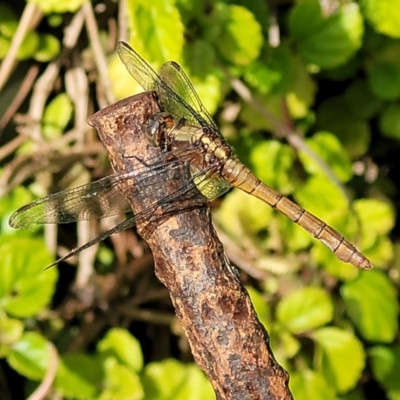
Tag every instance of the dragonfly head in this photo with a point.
(158, 128)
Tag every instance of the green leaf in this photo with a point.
(57, 6)
(29, 46)
(259, 8)
(389, 121)
(384, 80)
(261, 306)
(331, 264)
(56, 116)
(30, 356)
(4, 47)
(333, 349)
(385, 364)
(305, 309)
(334, 116)
(11, 202)
(323, 198)
(282, 60)
(155, 45)
(262, 76)
(163, 43)
(171, 379)
(79, 376)
(254, 120)
(120, 383)
(10, 330)
(25, 287)
(376, 218)
(273, 164)
(375, 314)
(120, 344)
(243, 217)
(240, 39)
(289, 345)
(362, 102)
(307, 384)
(302, 90)
(383, 15)
(199, 57)
(328, 147)
(49, 47)
(8, 24)
(327, 41)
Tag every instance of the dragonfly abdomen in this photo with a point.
(241, 177)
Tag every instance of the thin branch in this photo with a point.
(30, 17)
(43, 389)
(99, 58)
(24, 89)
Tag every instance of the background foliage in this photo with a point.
(308, 93)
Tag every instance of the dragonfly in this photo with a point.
(186, 130)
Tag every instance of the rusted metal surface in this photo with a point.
(226, 338)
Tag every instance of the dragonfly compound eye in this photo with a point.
(153, 132)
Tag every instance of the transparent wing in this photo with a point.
(98, 199)
(176, 93)
(175, 77)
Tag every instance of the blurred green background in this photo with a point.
(308, 94)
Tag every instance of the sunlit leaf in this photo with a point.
(8, 204)
(323, 198)
(273, 163)
(161, 44)
(333, 347)
(327, 41)
(329, 149)
(49, 47)
(376, 218)
(79, 376)
(371, 303)
(56, 116)
(383, 15)
(172, 379)
(240, 38)
(120, 383)
(29, 45)
(120, 344)
(305, 309)
(57, 6)
(10, 330)
(25, 287)
(307, 384)
(243, 216)
(30, 355)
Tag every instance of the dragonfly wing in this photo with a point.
(177, 95)
(137, 67)
(118, 228)
(175, 77)
(96, 200)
